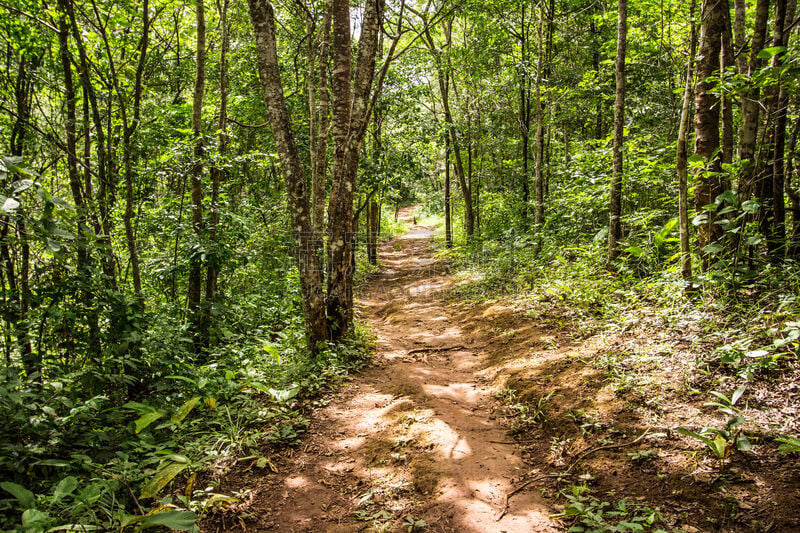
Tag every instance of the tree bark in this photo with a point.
(707, 119)
(726, 103)
(351, 112)
(105, 193)
(615, 209)
(444, 78)
(217, 171)
(79, 196)
(307, 245)
(681, 157)
(448, 224)
(538, 179)
(751, 105)
(773, 175)
(320, 117)
(195, 280)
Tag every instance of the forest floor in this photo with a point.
(474, 417)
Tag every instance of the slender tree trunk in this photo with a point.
(751, 105)
(448, 225)
(791, 192)
(104, 193)
(615, 210)
(444, 77)
(773, 175)
(739, 35)
(351, 113)
(128, 132)
(319, 102)
(681, 156)
(78, 194)
(307, 244)
(538, 178)
(195, 280)
(217, 172)
(707, 119)
(23, 88)
(726, 102)
(525, 113)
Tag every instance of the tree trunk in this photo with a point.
(739, 35)
(195, 280)
(218, 173)
(773, 176)
(448, 225)
(791, 192)
(707, 119)
(525, 114)
(351, 112)
(443, 75)
(128, 130)
(319, 113)
(726, 102)
(78, 195)
(615, 209)
(681, 155)
(538, 178)
(104, 192)
(751, 105)
(307, 245)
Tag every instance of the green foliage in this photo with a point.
(788, 445)
(526, 415)
(722, 441)
(588, 514)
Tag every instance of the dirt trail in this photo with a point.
(412, 436)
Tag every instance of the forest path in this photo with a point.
(414, 435)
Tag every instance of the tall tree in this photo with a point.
(681, 154)
(707, 119)
(446, 81)
(217, 171)
(307, 245)
(615, 210)
(195, 281)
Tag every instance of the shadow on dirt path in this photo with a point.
(414, 436)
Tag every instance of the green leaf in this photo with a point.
(185, 409)
(174, 520)
(284, 395)
(65, 487)
(728, 197)
(161, 478)
(768, 53)
(750, 206)
(662, 234)
(25, 497)
(743, 443)
(712, 248)
(74, 527)
(635, 251)
(689, 433)
(737, 394)
(695, 160)
(139, 407)
(146, 419)
(10, 205)
(21, 185)
(789, 444)
(718, 446)
(35, 519)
